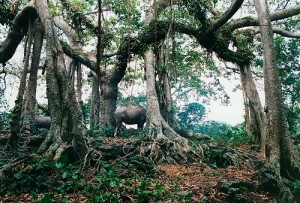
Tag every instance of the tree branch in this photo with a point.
(108, 55)
(67, 29)
(87, 59)
(285, 33)
(226, 16)
(281, 32)
(235, 70)
(249, 21)
(81, 57)
(16, 33)
(79, 14)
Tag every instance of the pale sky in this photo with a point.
(233, 113)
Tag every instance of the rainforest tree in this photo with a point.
(149, 38)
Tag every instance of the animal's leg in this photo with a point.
(140, 126)
(117, 129)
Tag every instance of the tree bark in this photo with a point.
(17, 31)
(74, 65)
(95, 104)
(66, 134)
(16, 124)
(164, 87)
(109, 80)
(79, 87)
(247, 113)
(109, 95)
(281, 156)
(30, 103)
(159, 129)
(255, 110)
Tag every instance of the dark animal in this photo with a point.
(43, 121)
(130, 116)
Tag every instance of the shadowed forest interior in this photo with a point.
(112, 96)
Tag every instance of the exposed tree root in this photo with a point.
(163, 150)
(167, 146)
(155, 150)
(91, 160)
(15, 163)
(275, 184)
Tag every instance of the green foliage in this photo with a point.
(45, 199)
(2, 162)
(103, 132)
(298, 147)
(107, 186)
(296, 184)
(24, 181)
(296, 190)
(287, 58)
(192, 114)
(130, 132)
(187, 70)
(120, 8)
(181, 196)
(239, 135)
(5, 118)
(225, 133)
(127, 179)
(218, 157)
(288, 52)
(124, 133)
(139, 100)
(117, 182)
(198, 8)
(215, 129)
(85, 108)
(117, 25)
(42, 177)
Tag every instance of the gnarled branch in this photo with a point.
(16, 33)
(278, 15)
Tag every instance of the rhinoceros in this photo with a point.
(130, 116)
(43, 121)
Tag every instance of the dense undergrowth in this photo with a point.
(126, 180)
(226, 173)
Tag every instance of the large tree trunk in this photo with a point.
(95, 104)
(66, 134)
(247, 113)
(17, 111)
(74, 65)
(79, 87)
(255, 112)
(159, 129)
(164, 87)
(30, 103)
(109, 95)
(165, 138)
(109, 80)
(281, 156)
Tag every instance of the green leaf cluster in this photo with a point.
(288, 52)
(192, 114)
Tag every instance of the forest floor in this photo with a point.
(207, 181)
